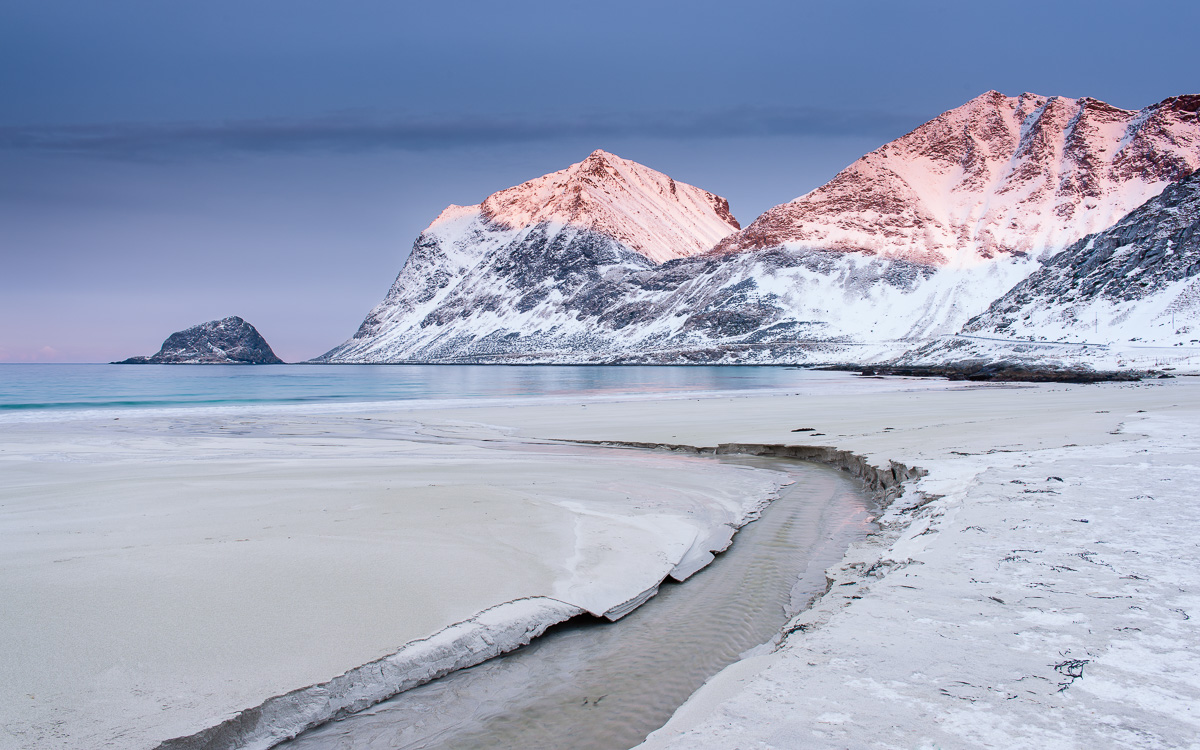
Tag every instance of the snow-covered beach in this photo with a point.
(1036, 588)
(475, 376)
(985, 613)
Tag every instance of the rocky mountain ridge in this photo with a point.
(901, 248)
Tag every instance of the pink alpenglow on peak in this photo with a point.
(644, 210)
(996, 177)
(454, 212)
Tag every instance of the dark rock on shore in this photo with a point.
(229, 341)
(997, 372)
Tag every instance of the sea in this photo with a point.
(60, 387)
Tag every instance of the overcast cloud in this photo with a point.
(351, 133)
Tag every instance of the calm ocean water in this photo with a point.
(26, 387)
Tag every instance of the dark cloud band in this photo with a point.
(366, 133)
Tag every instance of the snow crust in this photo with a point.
(1041, 599)
(492, 632)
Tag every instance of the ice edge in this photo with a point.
(490, 633)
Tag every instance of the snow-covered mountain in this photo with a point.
(644, 210)
(1127, 296)
(605, 261)
(532, 267)
(961, 210)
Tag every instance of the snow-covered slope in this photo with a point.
(997, 176)
(961, 209)
(1129, 295)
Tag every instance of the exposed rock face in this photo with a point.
(997, 176)
(605, 261)
(229, 341)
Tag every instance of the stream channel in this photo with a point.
(593, 685)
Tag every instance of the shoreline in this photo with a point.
(997, 370)
(1000, 371)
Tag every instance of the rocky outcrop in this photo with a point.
(229, 341)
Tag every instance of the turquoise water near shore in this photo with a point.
(25, 387)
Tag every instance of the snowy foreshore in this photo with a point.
(1037, 588)
(1046, 599)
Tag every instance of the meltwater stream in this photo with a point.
(605, 686)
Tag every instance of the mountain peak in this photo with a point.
(600, 156)
(646, 210)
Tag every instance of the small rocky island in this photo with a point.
(229, 341)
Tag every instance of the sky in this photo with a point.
(167, 163)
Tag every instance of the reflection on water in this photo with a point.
(605, 686)
(55, 386)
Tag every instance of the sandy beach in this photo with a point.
(164, 571)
